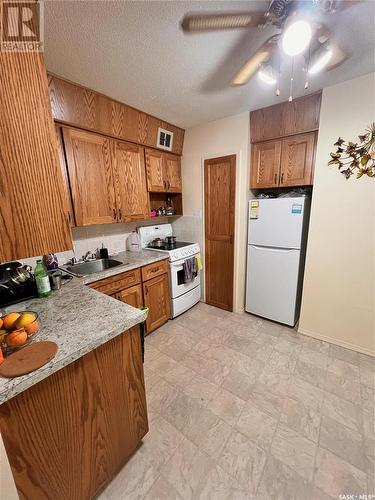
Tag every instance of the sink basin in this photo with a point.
(92, 266)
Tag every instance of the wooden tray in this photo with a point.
(28, 359)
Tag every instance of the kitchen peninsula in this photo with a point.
(70, 426)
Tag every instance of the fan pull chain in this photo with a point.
(278, 78)
(291, 83)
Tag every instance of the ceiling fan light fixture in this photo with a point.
(296, 37)
(266, 75)
(320, 60)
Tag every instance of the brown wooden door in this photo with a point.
(33, 216)
(219, 187)
(297, 160)
(132, 296)
(130, 182)
(265, 164)
(172, 173)
(155, 170)
(91, 177)
(157, 299)
(64, 171)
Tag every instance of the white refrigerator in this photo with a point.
(277, 236)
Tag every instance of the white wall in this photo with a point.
(338, 296)
(219, 138)
(8, 489)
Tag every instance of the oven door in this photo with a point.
(178, 287)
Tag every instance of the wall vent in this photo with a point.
(165, 139)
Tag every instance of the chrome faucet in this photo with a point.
(89, 255)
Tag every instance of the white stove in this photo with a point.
(183, 294)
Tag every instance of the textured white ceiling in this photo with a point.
(136, 53)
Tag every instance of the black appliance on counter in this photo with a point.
(17, 283)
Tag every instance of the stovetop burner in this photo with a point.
(170, 246)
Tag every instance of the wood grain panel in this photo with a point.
(287, 118)
(118, 282)
(172, 173)
(155, 269)
(297, 160)
(219, 195)
(157, 298)
(77, 105)
(67, 436)
(265, 164)
(155, 170)
(132, 296)
(89, 162)
(64, 171)
(33, 215)
(130, 182)
(301, 115)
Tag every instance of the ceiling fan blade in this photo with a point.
(248, 70)
(216, 22)
(339, 56)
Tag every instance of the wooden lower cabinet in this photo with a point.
(132, 296)
(157, 299)
(70, 434)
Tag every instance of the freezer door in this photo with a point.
(277, 222)
(272, 283)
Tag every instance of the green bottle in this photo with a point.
(42, 280)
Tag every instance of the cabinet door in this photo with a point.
(64, 171)
(265, 164)
(297, 160)
(155, 170)
(130, 182)
(172, 173)
(156, 298)
(91, 178)
(132, 296)
(33, 219)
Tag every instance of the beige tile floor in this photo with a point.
(242, 408)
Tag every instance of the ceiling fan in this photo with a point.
(298, 31)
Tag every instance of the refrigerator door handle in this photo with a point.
(277, 249)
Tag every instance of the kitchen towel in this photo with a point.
(199, 262)
(190, 269)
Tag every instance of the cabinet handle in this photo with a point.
(146, 290)
(120, 214)
(169, 184)
(275, 179)
(165, 185)
(282, 178)
(114, 214)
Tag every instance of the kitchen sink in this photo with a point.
(92, 266)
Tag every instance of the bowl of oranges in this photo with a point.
(17, 330)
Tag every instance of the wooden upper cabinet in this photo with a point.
(91, 177)
(265, 164)
(172, 166)
(297, 159)
(163, 171)
(155, 169)
(64, 171)
(130, 182)
(287, 118)
(75, 105)
(33, 215)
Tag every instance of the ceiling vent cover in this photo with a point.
(165, 139)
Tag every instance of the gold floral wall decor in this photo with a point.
(356, 158)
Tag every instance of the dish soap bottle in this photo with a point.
(42, 280)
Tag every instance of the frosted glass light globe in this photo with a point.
(296, 38)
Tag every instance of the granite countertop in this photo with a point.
(79, 319)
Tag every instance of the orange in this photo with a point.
(16, 338)
(10, 319)
(1, 323)
(1, 356)
(32, 327)
(25, 319)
